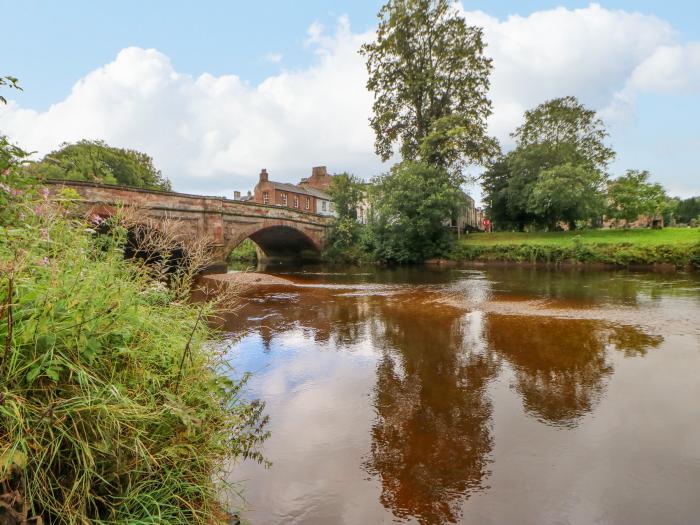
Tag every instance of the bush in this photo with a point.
(244, 253)
(620, 254)
(115, 404)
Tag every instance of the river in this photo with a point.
(490, 396)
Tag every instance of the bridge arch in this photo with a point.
(278, 239)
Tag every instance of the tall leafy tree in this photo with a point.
(566, 121)
(346, 191)
(430, 80)
(98, 162)
(632, 196)
(557, 171)
(411, 206)
(567, 192)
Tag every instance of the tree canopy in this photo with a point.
(566, 121)
(555, 174)
(96, 161)
(632, 196)
(430, 80)
(411, 205)
(688, 210)
(346, 192)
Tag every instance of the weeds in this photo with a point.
(115, 406)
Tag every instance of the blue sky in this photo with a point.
(51, 46)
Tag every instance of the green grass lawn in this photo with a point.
(640, 237)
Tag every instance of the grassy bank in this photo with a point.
(677, 246)
(115, 403)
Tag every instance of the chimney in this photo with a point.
(263, 175)
(236, 195)
(318, 171)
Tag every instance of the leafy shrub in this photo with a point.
(115, 404)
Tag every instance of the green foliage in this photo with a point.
(116, 405)
(410, 206)
(346, 190)
(632, 196)
(566, 121)
(11, 82)
(688, 210)
(95, 161)
(567, 192)
(556, 172)
(245, 252)
(430, 81)
(676, 246)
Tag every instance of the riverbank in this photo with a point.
(669, 247)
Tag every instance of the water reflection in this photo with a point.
(430, 419)
(432, 437)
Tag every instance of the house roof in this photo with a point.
(293, 188)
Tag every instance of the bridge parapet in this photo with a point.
(223, 222)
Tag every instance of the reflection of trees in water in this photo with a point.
(561, 365)
(631, 341)
(432, 439)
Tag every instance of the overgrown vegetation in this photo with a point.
(677, 246)
(116, 405)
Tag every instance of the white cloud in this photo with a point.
(213, 134)
(589, 52)
(670, 69)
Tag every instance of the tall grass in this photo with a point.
(115, 405)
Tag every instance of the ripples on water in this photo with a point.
(453, 396)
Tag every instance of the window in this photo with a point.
(323, 205)
(332, 208)
(296, 201)
(307, 203)
(266, 197)
(284, 199)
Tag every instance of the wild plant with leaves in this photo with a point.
(116, 401)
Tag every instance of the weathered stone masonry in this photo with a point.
(278, 232)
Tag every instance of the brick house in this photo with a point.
(308, 199)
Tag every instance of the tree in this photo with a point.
(411, 205)
(566, 121)
(555, 173)
(632, 196)
(688, 210)
(568, 192)
(430, 81)
(98, 162)
(346, 191)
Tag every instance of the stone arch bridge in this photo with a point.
(277, 232)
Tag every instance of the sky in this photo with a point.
(215, 91)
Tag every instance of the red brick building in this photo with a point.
(306, 198)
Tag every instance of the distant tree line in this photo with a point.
(95, 161)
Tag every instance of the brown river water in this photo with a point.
(494, 396)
